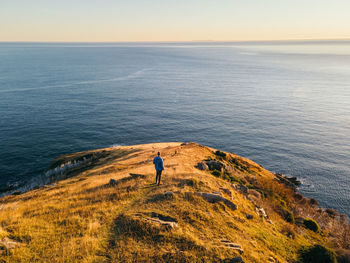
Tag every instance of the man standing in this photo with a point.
(158, 164)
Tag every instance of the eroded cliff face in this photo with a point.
(211, 206)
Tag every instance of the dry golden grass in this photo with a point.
(84, 219)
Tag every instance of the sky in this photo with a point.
(173, 20)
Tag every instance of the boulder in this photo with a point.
(202, 166)
(215, 198)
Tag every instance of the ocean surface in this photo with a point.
(285, 105)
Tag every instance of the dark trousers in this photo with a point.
(158, 175)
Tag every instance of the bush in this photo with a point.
(311, 224)
(221, 154)
(317, 254)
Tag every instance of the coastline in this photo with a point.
(218, 187)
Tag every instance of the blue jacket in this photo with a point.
(158, 163)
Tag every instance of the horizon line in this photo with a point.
(185, 41)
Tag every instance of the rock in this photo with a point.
(226, 191)
(215, 198)
(167, 221)
(169, 194)
(240, 188)
(113, 181)
(7, 244)
(202, 166)
(215, 165)
(291, 182)
(229, 244)
(249, 216)
(234, 260)
(261, 212)
(167, 224)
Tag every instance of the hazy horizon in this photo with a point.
(278, 41)
(167, 21)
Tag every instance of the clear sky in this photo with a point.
(173, 20)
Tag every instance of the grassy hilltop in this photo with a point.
(211, 206)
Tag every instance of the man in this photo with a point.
(158, 164)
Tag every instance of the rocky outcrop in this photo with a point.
(215, 165)
(166, 221)
(215, 198)
(231, 245)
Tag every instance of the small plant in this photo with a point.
(220, 154)
(317, 254)
(235, 179)
(311, 224)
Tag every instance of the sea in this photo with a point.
(283, 104)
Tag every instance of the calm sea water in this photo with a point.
(283, 105)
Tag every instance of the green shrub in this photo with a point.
(216, 173)
(221, 154)
(317, 254)
(311, 224)
(235, 179)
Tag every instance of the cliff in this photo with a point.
(211, 206)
